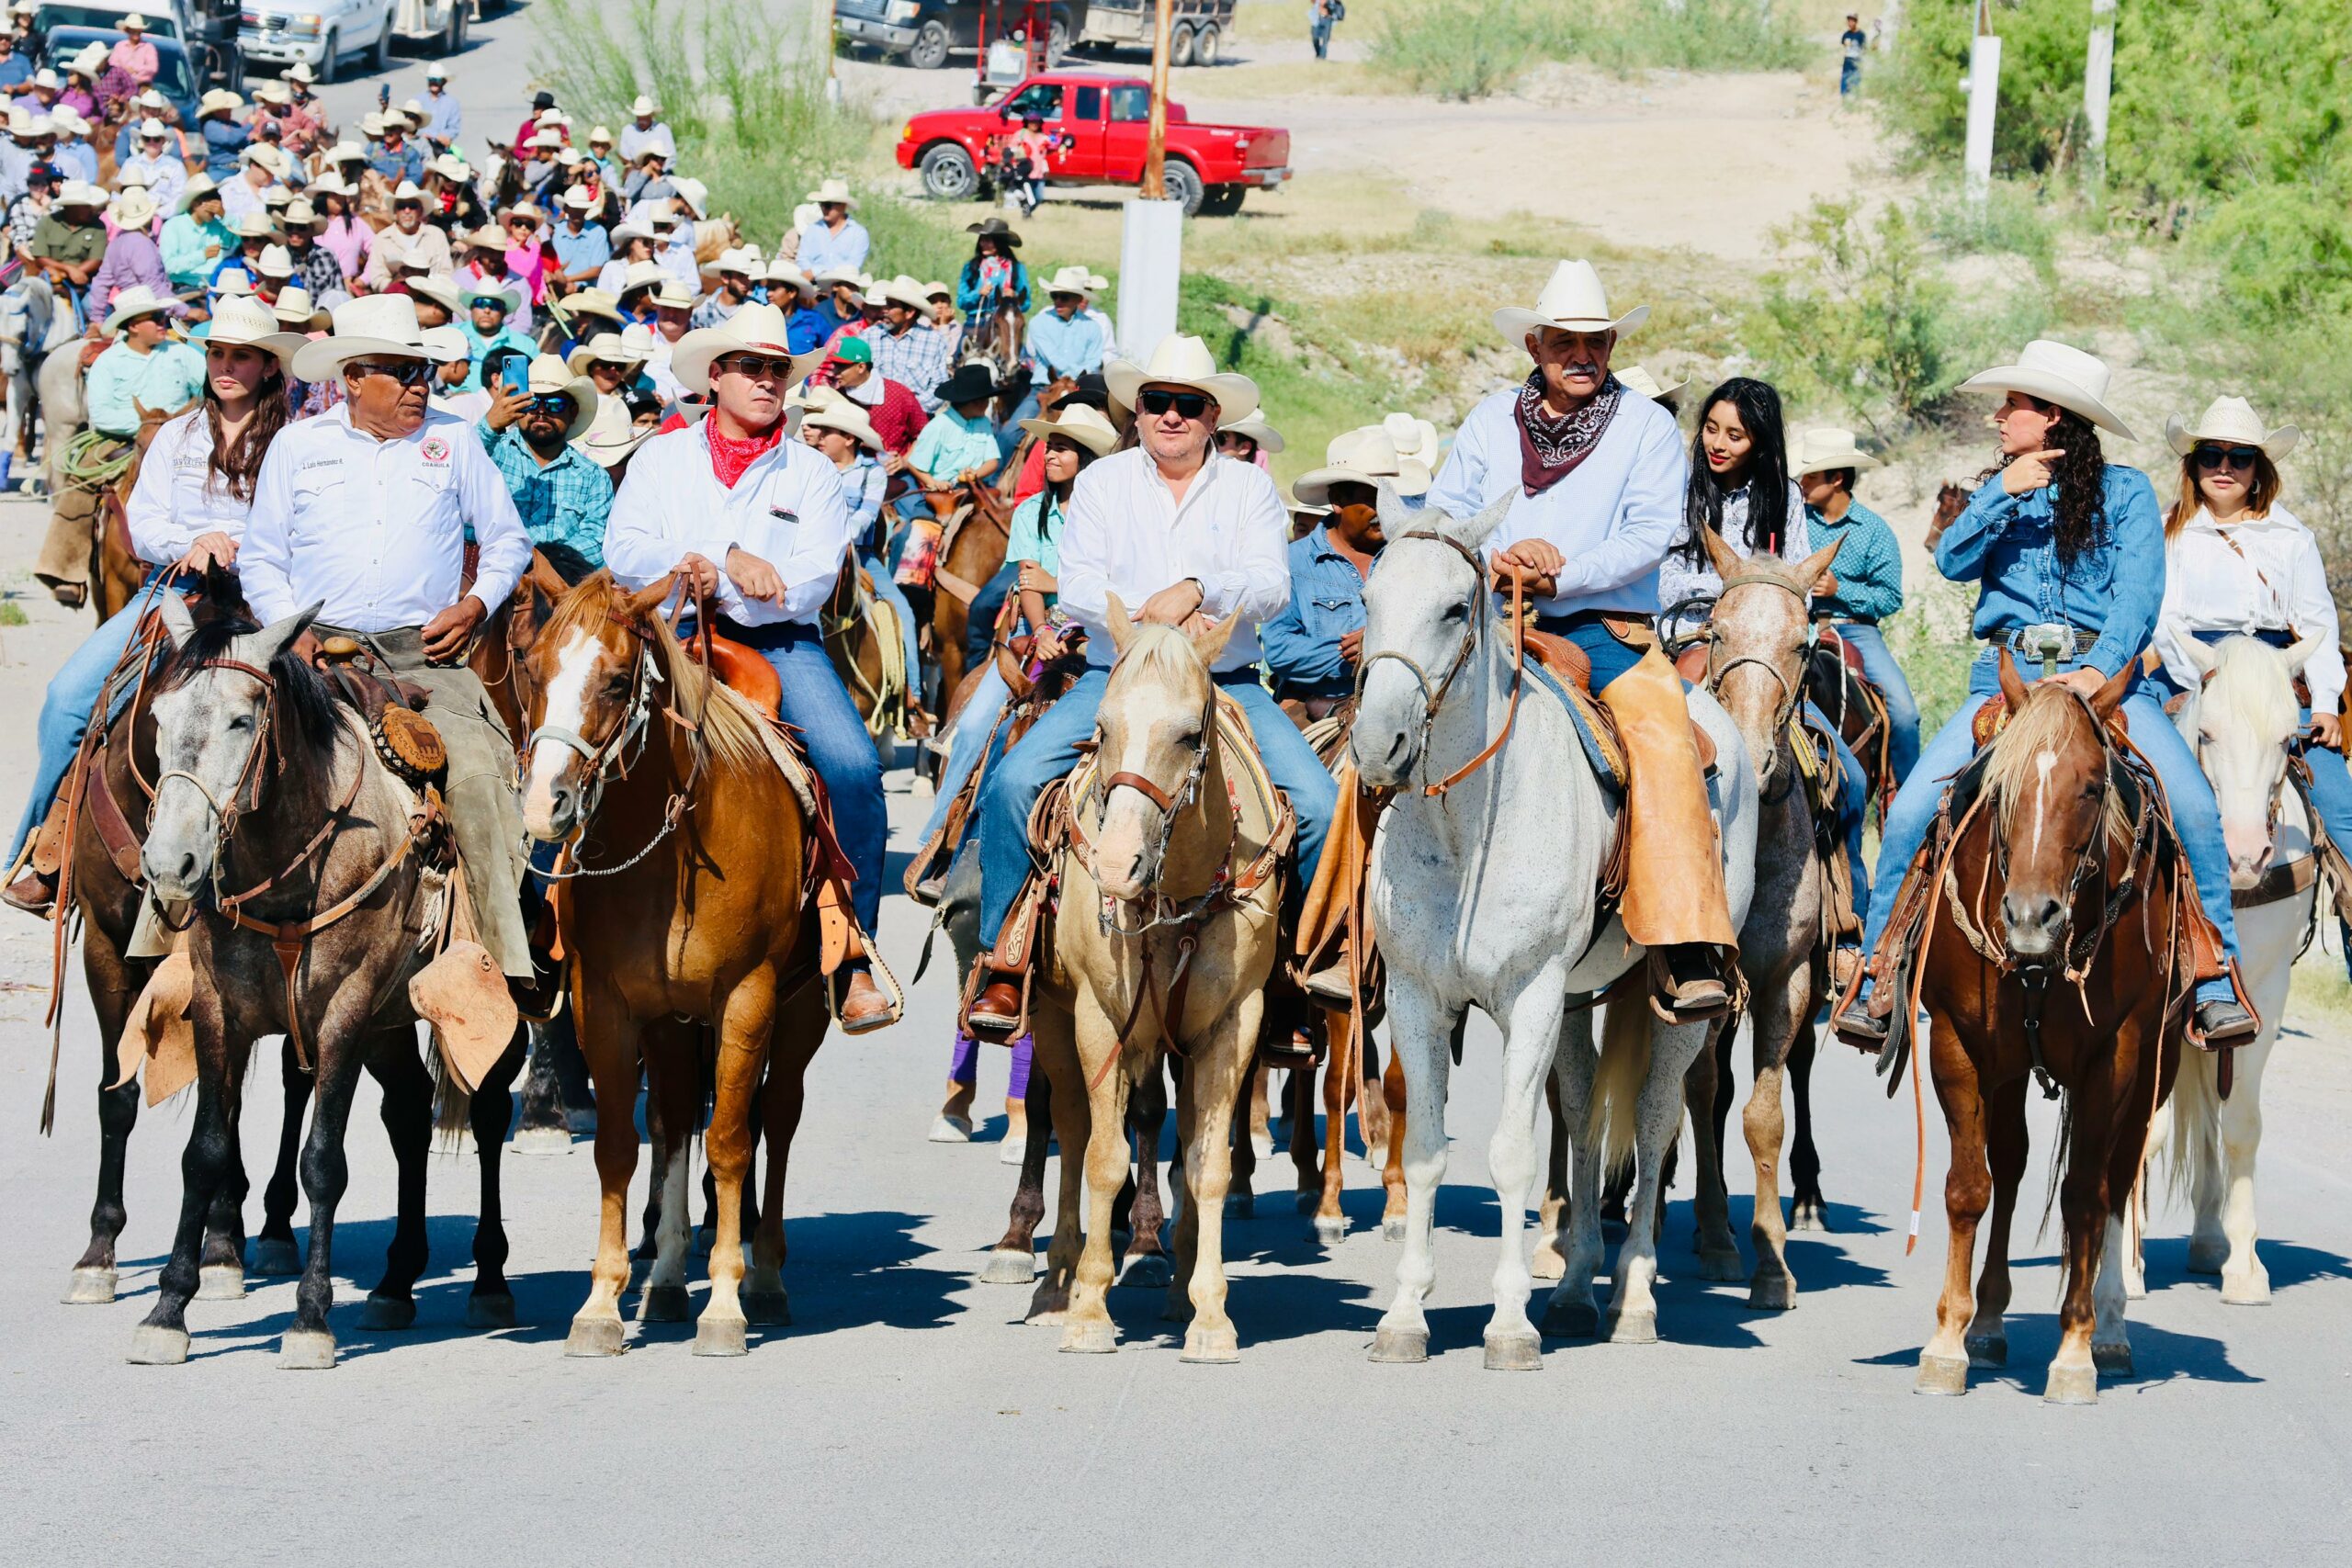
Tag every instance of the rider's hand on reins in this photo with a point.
(1534, 564)
(756, 577)
(210, 549)
(1172, 606)
(2327, 729)
(699, 572)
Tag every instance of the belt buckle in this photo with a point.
(2048, 642)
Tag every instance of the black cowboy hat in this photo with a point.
(971, 384)
(1092, 391)
(996, 228)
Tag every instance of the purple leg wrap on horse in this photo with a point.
(963, 1065)
(1018, 1089)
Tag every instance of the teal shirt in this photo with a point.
(1869, 565)
(169, 377)
(1038, 534)
(951, 444)
(183, 246)
(507, 338)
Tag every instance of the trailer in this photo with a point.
(1196, 38)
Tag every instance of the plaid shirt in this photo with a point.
(566, 502)
(919, 359)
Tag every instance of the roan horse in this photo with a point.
(1484, 891)
(683, 904)
(2056, 876)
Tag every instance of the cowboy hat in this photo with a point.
(268, 157)
(295, 309)
(1255, 427)
(1825, 449)
(348, 153)
(272, 92)
(549, 138)
(1080, 424)
(445, 345)
(382, 326)
(275, 261)
(246, 322)
(530, 209)
(1573, 301)
(90, 60)
(997, 229)
(132, 303)
(599, 133)
(783, 271)
(613, 348)
(69, 121)
(1633, 379)
(902, 290)
(329, 183)
(550, 378)
(407, 191)
(583, 302)
(756, 327)
(80, 193)
(151, 128)
(198, 187)
(2231, 422)
(612, 435)
(371, 124)
(730, 260)
(301, 73)
(693, 193)
(831, 193)
(972, 381)
(840, 413)
(412, 108)
(936, 291)
(506, 299)
(232, 283)
(2055, 373)
(1365, 457)
(672, 295)
(300, 213)
(441, 290)
(642, 274)
(1070, 280)
(436, 72)
(643, 107)
(134, 209)
(133, 22)
(277, 199)
(1412, 437)
(1182, 361)
(857, 281)
(450, 167)
(250, 225)
(577, 199)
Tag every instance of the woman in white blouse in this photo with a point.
(187, 507)
(2238, 562)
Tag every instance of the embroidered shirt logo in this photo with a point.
(783, 514)
(435, 449)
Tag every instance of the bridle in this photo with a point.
(1791, 693)
(1168, 805)
(247, 786)
(1433, 693)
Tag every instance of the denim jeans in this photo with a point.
(2331, 790)
(818, 705)
(2194, 811)
(1050, 749)
(65, 713)
(973, 727)
(1853, 800)
(887, 587)
(1902, 708)
(979, 627)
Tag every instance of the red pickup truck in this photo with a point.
(1105, 120)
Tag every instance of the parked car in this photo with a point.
(176, 76)
(1107, 121)
(318, 33)
(1196, 36)
(206, 31)
(928, 33)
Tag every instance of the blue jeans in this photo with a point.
(1902, 707)
(1850, 76)
(887, 587)
(1050, 749)
(818, 705)
(972, 726)
(1853, 799)
(65, 713)
(2194, 812)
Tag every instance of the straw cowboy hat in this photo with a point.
(1070, 280)
(299, 213)
(132, 303)
(302, 73)
(1412, 437)
(1826, 449)
(348, 153)
(1633, 379)
(2056, 373)
(1255, 427)
(1081, 424)
(613, 348)
(757, 328)
(642, 274)
(840, 413)
(859, 282)
(783, 271)
(551, 377)
(489, 237)
(68, 121)
(2231, 422)
(373, 326)
(450, 167)
(272, 92)
(585, 302)
(1182, 361)
(730, 260)
(1364, 456)
(693, 193)
(507, 300)
(1573, 301)
(599, 136)
(672, 295)
(612, 435)
(936, 291)
(643, 107)
(134, 209)
(246, 322)
(441, 290)
(831, 193)
(80, 193)
(275, 261)
(445, 345)
(296, 309)
(902, 290)
(133, 22)
(199, 187)
(577, 199)
(90, 61)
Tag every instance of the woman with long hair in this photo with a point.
(994, 279)
(186, 510)
(2067, 551)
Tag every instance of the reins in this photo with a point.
(1433, 694)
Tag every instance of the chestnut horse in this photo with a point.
(980, 531)
(683, 904)
(2056, 952)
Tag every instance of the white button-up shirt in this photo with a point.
(1678, 580)
(1127, 533)
(2279, 583)
(1613, 516)
(178, 496)
(786, 509)
(374, 531)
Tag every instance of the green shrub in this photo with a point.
(1698, 34)
(1472, 49)
(1469, 48)
(2014, 219)
(1930, 638)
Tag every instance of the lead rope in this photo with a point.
(1518, 684)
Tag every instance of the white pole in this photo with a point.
(1983, 100)
(2099, 80)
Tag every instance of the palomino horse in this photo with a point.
(2244, 724)
(1484, 892)
(2055, 875)
(1165, 941)
(1756, 667)
(266, 784)
(683, 905)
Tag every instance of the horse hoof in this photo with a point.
(1148, 1271)
(1514, 1353)
(1568, 1318)
(542, 1141)
(1013, 1151)
(306, 1350)
(1721, 1265)
(2208, 1257)
(1772, 1292)
(1330, 1229)
(1176, 1306)
(151, 1345)
(1547, 1263)
(1634, 1327)
(1049, 1307)
(275, 1257)
(1240, 1206)
(952, 1130)
(2072, 1385)
(490, 1312)
(384, 1312)
(1212, 1346)
(2249, 1290)
(769, 1309)
(663, 1303)
(1263, 1144)
(1090, 1339)
(1941, 1374)
(1399, 1346)
(595, 1336)
(1007, 1266)
(90, 1287)
(2113, 1360)
(220, 1282)
(1807, 1214)
(721, 1336)
(1392, 1229)
(1988, 1350)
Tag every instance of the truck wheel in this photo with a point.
(380, 53)
(1057, 43)
(931, 46)
(1180, 46)
(1207, 44)
(328, 57)
(1222, 201)
(1183, 184)
(948, 172)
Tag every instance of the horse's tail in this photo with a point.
(1614, 1117)
(2195, 1144)
(453, 1103)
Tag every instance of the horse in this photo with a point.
(30, 327)
(2053, 843)
(1469, 910)
(2243, 723)
(1951, 500)
(978, 532)
(862, 637)
(265, 783)
(683, 904)
(1756, 667)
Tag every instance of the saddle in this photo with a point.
(1571, 671)
(744, 671)
(391, 709)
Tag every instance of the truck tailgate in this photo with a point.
(1268, 149)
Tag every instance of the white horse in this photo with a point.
(1487, 896)
(2240, 724)
(35, 324)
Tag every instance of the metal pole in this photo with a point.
(1155, 157)
(2099, 80)
(1983, 100)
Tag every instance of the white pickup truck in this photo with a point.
(320, 33)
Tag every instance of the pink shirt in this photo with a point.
(350, 241)
(528, 263)
(137, 60)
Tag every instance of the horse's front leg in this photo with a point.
(1145, 1264)
(1339, 1076)
(1809, 1210)
(1704, 1087)
(743, 1060)
(1056, 1057)
(1213, 1082)
(2245, 1282)
(609, 1039)
(1779, 1016)
(800, 1023)
(342, 1045)
(1531, 1043)
(275, 1254)
(673, 1051)
(161, 1339)
(1088, 1326)
(1421, 1027)
(1657, 1116)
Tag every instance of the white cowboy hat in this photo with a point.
(902, 290)
(69, 121)
(730, 260)
(91, 60)
(1255, 427)
(272, 92)
(550, 139)
(2055, 373)
(348, 153)
(134, 209)
(80, 193)
(577, 199)
(2231, 422)
(275, 261)
(550, 378)
(674, 295)
(296, 309)
(1070, 280)
(413, 109)
(371, 124)
(1413, 437)
(446, 346)
(1366, 456)
(783, 271)
(1081, 422)
(252, 226)
(643, 275)
(643, 107)
(756, 327)
(613, 348)
(1182, 361)
(1826, 449)
(581, 303)
(380, 326)
(301, 73)
(199, 187)
(508, 299)
(599, 133)
(132, 303)
(232, 283)
(857, 281)
(268, 157)
(1573, 301)
(831, 193)
(409, 190)
(300, 213)
(151, 127)
(693, 193)
(935, 291)
(133, 22)
(840, 413)
(1633, 379)
(442, 290)
(450, 167)
(436, 72)
(612, 435)
(246, 322)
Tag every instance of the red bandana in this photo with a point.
(729, 458)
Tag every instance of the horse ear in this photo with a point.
(276, 638)
(1475, 530)
(2110, 696)
(2300, 654)
(2012, 685)
(1815, 566)
(647, 600)
(1121, 624)
(1211, 643)
(1727, 561)
(177, 623)
(2200, 654)
(1394, 515)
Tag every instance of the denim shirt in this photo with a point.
(2114, 589)
(1302, 644)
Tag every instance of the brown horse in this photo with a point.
(683, 904)
(1951, 500)
(2058, 876)
(863, 645)
(979, 530)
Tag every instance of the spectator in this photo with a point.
(259, 166)
(632, 249)
(646, 134)
(27, 209)
(133, 259)
(134, 56)
(223, 136)
(673, 251)
(540, 105)
(14, 69)
(341, 231)
(562, 495)
(317, 269)
(581, 247)
(600, 152)
(145, 366)
(395, 157)
(305, 118)
(156, 165)
(253, 232)
(74, 153)
(1064, 341)
(69, 242)
(789, 291)
(893, 407)
(437, 300)
(196, 236)
(1851, 43)
(1321, 16)
(445, 121)
(732, 292)
(485, 327)
(485, 266)
(836, 241)
(526, 254)
(408, 239)
(907, 349)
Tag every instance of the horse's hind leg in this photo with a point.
(1393, 1096)
(1704, 1089)
(275, 1254)
(1339, 1077)
(492, 1304)
(1261, 1106)
(1146, 1263)
(1943, 1362)
(1372, 1105)
(2007, 1142)
(799, 1030)
(1014, 1259)
(673, 1100)
(1809, 1210)
(1571, 1310)
(1241, 1198)
(408, 1124)
(545, 1128)
(93, 1280)
(1550, 1260)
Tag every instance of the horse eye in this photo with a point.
(243, 721)
(617, 685)
(1455, 612)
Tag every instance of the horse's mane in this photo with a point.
(2249, 682)
(303, 701)
(730, 726)
(1159, 650)
(2050, 721)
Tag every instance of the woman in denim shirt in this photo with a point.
(2068, 550)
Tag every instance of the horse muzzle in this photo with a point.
(2034, 924)
(1385, 756)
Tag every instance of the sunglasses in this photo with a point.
(2212, 458)
(407, 372)
(756, 366)
(1159, 400)
(556, 403)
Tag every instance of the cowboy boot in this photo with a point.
(996, 1012)
(863, 1008)
(32, 893)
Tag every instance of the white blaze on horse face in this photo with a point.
(2042, 762)
(552, 764)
